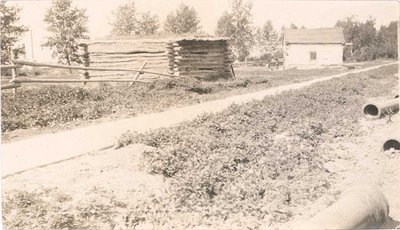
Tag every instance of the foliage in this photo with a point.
(387, 41)
(237, 25)
(125, 21)
(67, 24)
(184, 20)
(49, 208)
(48, 106)
(261, 160)
(267, 42)
(148, 24)
(11, 30)
(369, 43)
(129, 22)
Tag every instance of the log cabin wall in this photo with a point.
(126, 54)
(203, 58)
(198, 57)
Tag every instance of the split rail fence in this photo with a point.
(17, 82)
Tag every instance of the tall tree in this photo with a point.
(125, 21)
(183, 20)
(267, 40)
(11, 30)
(66, 24)
(388, 41)
(237, 24)
(148, 24)
(363, 36)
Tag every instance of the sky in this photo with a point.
(311, 14)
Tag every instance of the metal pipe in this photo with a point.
(359, 207)
(392, 143)
(376, 110)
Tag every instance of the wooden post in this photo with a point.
(233, 72)
(14, 76)
(84, 58)
(138, 73)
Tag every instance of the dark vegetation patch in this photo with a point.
(264, 159)
(55, 105)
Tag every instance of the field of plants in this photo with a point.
(55, 105)
(251, 166)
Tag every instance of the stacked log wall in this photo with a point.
(127, 54)
(200, 58)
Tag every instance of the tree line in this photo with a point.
(67, 24)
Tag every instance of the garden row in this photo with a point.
(257, 164)
(48, 106)
(250, 166)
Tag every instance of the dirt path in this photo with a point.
(50, 148)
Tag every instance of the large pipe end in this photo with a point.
(391, 144)
(361, 206)
(372, 111)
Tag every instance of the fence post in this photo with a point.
(13, 55)
(84, 58)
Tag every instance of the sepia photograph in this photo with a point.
(200, 114)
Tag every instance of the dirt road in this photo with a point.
(51, 148)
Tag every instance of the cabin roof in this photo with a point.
(314, 36)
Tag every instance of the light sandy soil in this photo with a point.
(361, 160)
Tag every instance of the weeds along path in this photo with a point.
(51, 148)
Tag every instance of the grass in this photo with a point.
(56, 105)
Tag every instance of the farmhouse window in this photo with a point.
(313, 55)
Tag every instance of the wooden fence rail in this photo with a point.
(11, 86)
(29, 63)
(16, 82)
(33, 80)
(11, 66)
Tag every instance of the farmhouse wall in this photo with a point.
(299, 55)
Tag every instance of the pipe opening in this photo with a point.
(392, 143)
(371, 110)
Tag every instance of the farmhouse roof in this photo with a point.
(315, 36)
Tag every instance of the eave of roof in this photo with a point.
(314, 36)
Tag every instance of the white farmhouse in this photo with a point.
(312, 48)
